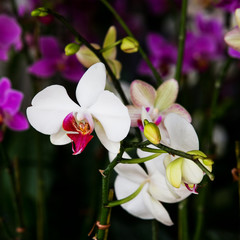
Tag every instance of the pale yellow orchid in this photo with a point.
(87, 58)
(232, 38)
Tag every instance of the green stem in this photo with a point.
(155, 229)
(139, 160)
(181, 40)
(182, 221)
(143, 145)
(14, 176)
(80, 38)
(105, 193)
(237, 151)
(40, 195)
(128, 198)
(128, 31)
(200, 210)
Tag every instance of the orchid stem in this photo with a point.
(237, 151)
(40, 197)
(155, 229)
(128, 31)
(181, 40)
(95, 51)
(163, 148)
(128, 198)
(105, 211)
(182, 221)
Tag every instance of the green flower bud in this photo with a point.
(71, 49)
(151, 132)
(129, 45)
(208, 162)
(39, 12)
(174, 172)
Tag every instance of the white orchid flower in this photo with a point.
(147, 204)
(55, 114)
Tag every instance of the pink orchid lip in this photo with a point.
(193, 189)
(78, 131)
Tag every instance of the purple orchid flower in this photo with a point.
(233, 53)
(54, 60)
(10, 101)
(10, 35)
(203, 45)
(163, 55)
(229, 5)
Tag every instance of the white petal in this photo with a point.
(136, 207)
(60, 138)
(154, 164)
(91, 85)
(157, 209)
(111, 146)
(192, 174)
(182, 134)
(178, 109)
(160, 189)
(113, 116)
(135, 115)
(49, 108)
(132, 172)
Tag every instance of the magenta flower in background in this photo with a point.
(10, 101)
(54, 60)
(233, 53)
(163, 55)
(10, 35)
(26, 6)
(204, 44)
(229, 5)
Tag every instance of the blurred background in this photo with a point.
(45, 191)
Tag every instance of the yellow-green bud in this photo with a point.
(208, 162)
(129, 45)
(71, 49)
(174, 172)
(151, 132)
(39, 12)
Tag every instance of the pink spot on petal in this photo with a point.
(147, 109)
(140, 125)
(159, 120)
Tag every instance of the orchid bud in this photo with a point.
(129, 45)
(71, 49)
(174, 172)
(39, 12)
(151, 132)
(208, 162)
(202, 157)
